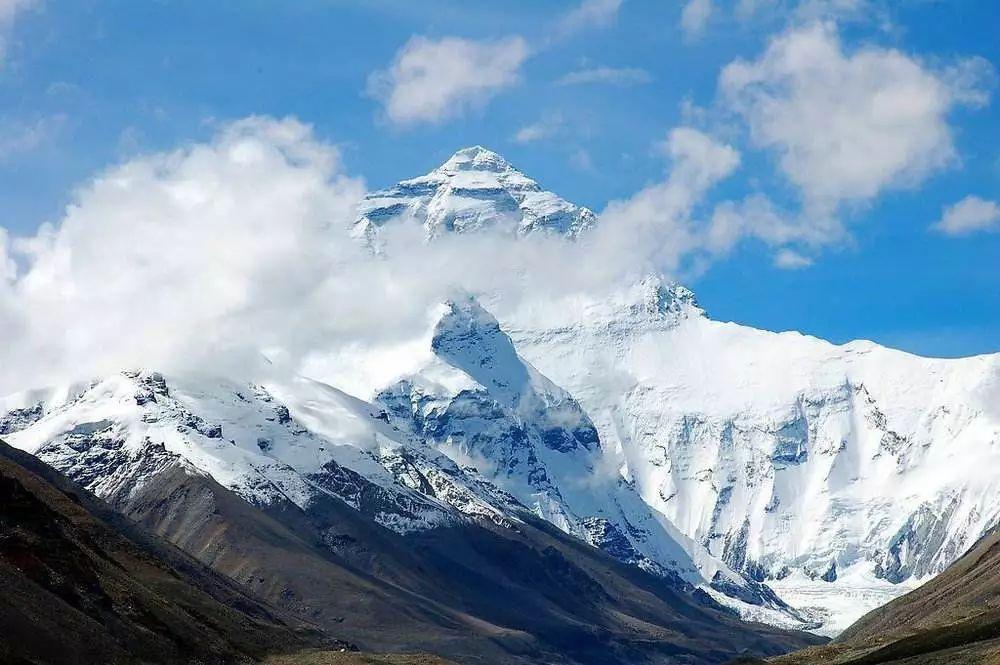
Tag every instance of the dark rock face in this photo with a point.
(18, 419)
(149, 386)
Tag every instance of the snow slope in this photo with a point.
(281, 441)
(841, 475)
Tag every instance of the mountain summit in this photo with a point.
(475, 158)
(475, 189)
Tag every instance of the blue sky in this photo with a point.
(87, 84)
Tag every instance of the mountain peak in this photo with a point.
(469, 337)
(660, 296)
(474, 190)
(475, 158)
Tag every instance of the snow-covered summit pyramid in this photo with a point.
(475, 189)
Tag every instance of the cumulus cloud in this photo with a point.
(662, 212)
(846, 126)
(609, 75)
(757, 217)
(970, 215)
(686, 234)
(211, 241)
(589, 14)
(695, 16)
(435, 80)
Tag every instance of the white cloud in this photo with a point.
(589, 14)
(808, 10)
(536, 131)
(180, 258)
(699, 160)
(544, 128)
(434, 80)
(533, 132)
(660, 215)
(757, 217)
(746, 9)
(610, 75)
(695, 16)
(666, 215)
(789, 259)
(846, 126)
(833, 9)
(580, 159)
(970, 215)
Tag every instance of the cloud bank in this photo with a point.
(219, 254)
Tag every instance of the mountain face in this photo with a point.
(839, 476)
(617, 459)
(317, 503)
(954, 619)
(80, 584)
(475, 190)
(476, 399)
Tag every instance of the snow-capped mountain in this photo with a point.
(476, 189)
(475, 399)
(291, 442)
(842, 476)
(474, 433)
(796, 481)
